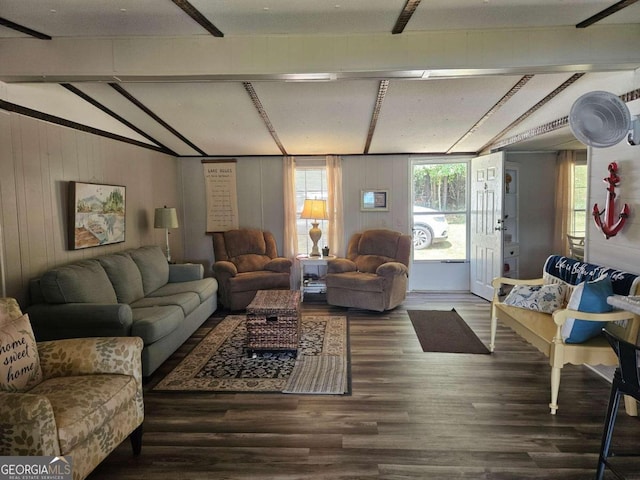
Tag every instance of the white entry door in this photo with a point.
(487, 174)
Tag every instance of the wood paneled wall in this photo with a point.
(623, 250)
(38, 159)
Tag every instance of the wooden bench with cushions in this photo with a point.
(543, 312)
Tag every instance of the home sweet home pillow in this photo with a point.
(19, 362)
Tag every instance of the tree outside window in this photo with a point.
(440, 211)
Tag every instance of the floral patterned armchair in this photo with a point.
(80, 397)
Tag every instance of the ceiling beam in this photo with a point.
(73, 89)
(263, 113)
(492, 143)
(555, 124)
(405, 15)
(194, 13)
(512, 91)
(382, 91)
(22, 29)
(152, 114)
(616, 7)
(29, 112)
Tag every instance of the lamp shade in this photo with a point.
(165, 218)
(314, 210)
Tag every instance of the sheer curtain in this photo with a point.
(564, 191)
(334, 205)
(290, 247)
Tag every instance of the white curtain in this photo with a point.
(335, 207)
(564, 193)
(290, 247)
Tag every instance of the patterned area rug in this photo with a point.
(220, 362)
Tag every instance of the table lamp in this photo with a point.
(314, 210)
(166, 218)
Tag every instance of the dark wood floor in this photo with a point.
(411, 415)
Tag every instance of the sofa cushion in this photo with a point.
(370, 263)
(83, 404)
(541, 298)
(153, 323)
(124, 275)
(590, 297)
(204, 288)
(153, 266)
(263, 280)
(19, 362)
(366, 282)
(81, 282)
(379, 242)
(187, 301)
(244, 241)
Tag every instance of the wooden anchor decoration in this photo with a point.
(611, 227)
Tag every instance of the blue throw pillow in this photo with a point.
(590, 297)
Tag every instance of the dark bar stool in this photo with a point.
(625, 382)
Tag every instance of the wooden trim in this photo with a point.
(575, 77)
(382, 91)
(118, 88)
(616, 7)
(263, 113)
(405, 15)
(499, 104)
(28, 112)
(195, 14)
(22, 29)
(113, 114)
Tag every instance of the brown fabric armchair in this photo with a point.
(246, 260)
(373, 276)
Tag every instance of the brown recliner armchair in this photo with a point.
(373, 276)
(246, 260)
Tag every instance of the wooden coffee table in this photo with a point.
(273, 321)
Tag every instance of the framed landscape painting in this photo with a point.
(96, 215)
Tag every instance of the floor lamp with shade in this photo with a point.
(314, 210)
(166, 218)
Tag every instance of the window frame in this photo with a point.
(306, 165)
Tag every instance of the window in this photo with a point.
(579, 200)
(311, 182)
(439, 211)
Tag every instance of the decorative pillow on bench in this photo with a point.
(590, 297)
(541, 298)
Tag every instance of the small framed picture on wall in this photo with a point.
(374, 200)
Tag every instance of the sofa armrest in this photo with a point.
(561, 316)
(279, 265)
(86, 356)
(341, 265)
(185, 272)
(27, 425)
(392, 269)
(66, 320)
(224, 269)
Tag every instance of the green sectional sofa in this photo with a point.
(129, 293)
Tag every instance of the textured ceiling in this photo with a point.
(351, 108)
